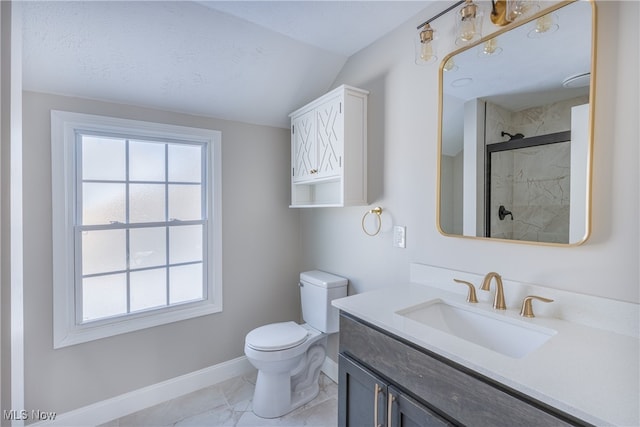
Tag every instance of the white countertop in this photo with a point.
(590, 373)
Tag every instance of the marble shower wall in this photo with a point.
(533, 183)
(534, 121)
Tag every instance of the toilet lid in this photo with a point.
(276, 336)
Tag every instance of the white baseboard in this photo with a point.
(128, 403)
(133, 401)
(330, 369)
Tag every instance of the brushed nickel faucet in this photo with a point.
(498, 302)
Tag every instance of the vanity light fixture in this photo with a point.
(499, 15)
(504, 12)
(468, 29)
(468, 23)
(425, 49)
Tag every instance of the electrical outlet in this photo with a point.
(399, 236)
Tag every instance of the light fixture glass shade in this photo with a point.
(490, 48)
(544, 25)
(518, 8)
(504, 12)
(468, 23)
(425, 48)
(450, 65)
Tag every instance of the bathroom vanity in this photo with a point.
(379, 373)
(397, 368)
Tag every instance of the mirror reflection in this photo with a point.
(516, 132)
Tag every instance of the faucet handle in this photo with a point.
(527, 306)
(471, 296)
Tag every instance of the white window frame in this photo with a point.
(64, 125)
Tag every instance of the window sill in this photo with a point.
(89, 332)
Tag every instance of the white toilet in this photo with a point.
(288, 356)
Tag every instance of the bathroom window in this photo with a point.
(136, 225)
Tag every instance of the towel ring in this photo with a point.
(377, 211)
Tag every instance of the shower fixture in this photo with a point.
(503, 212)
(516, 136)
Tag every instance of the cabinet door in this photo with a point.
(361, 396)
(330, 137)
(403, 411)
(304, 148)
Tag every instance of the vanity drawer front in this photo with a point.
(464, 397)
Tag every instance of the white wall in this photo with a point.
(403, 111)
(448, 195)
(260, 266)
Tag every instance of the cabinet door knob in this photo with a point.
(312, 171)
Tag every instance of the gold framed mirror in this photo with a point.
(516, 131)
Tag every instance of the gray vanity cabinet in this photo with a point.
(407, 412)
(362, 395)
(371, 401)
(421, 388)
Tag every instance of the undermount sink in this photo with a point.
(493, 331)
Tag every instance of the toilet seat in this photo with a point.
(276, 336)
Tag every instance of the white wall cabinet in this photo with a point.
(329, 150)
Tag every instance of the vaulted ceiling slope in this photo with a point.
(249, 61)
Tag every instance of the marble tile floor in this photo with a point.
(229, 404)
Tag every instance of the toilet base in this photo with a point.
(278, 393)
(272, 396)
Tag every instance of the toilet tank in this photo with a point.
(317, 290)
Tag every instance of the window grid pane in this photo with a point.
(152, 262)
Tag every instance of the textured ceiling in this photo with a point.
(342, 27)
(252, 61)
